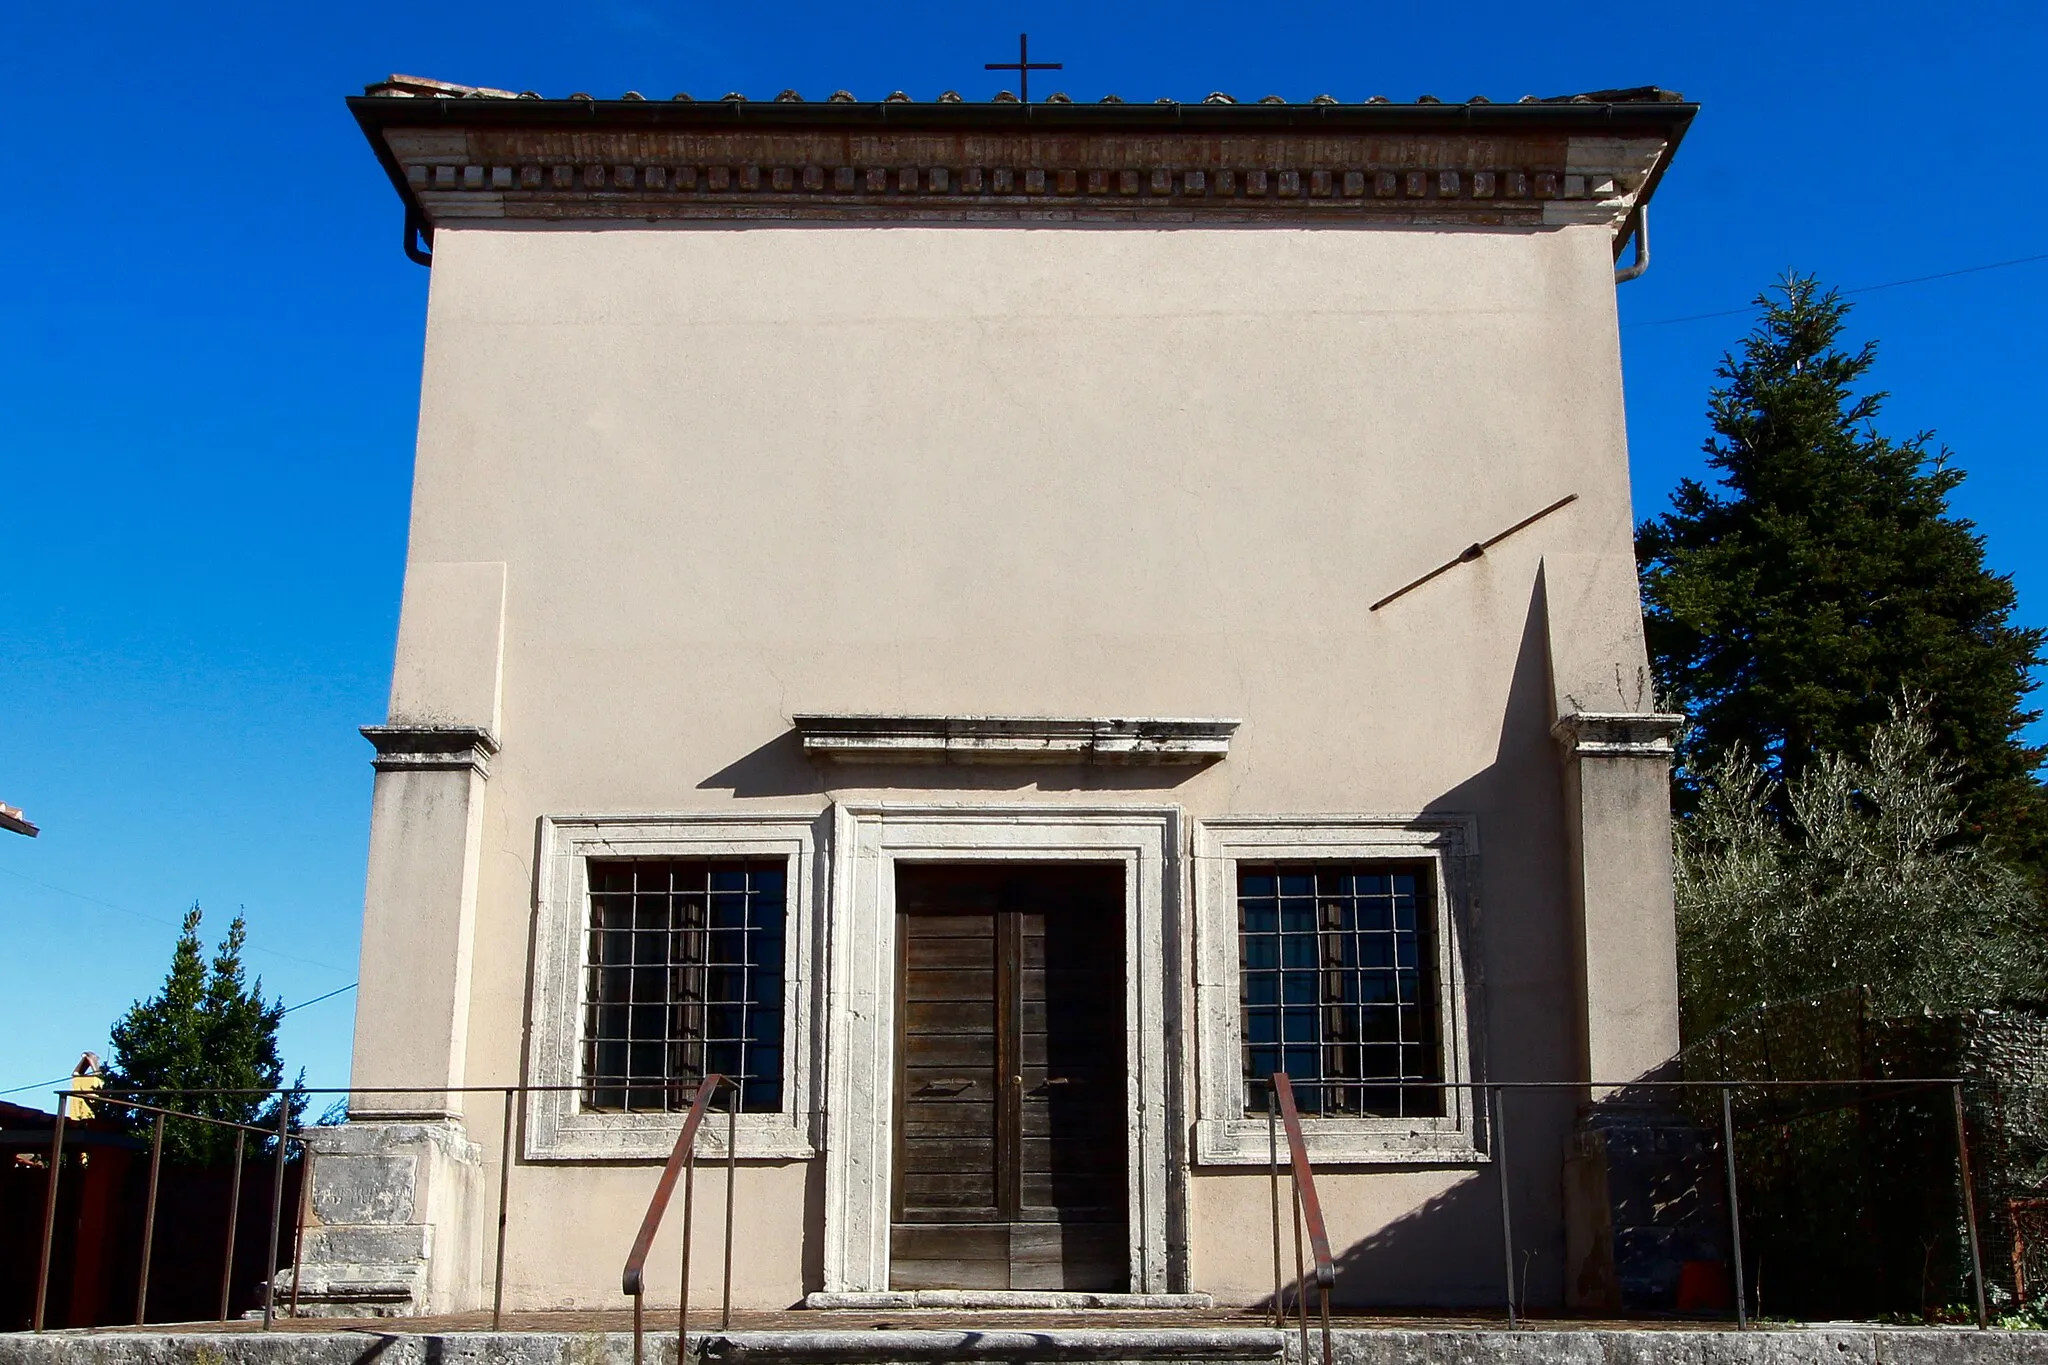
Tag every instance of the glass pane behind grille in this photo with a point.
(1336, 972)
(683, 976)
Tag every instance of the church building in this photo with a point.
(1000, 627)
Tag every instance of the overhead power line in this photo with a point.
(159, 919)
(341, 990)
(55, 1081)
(1859, 289)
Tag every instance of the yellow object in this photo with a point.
(84, 1081)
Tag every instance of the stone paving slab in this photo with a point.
(1002, 1299)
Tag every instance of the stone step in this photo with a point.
(981, 1300)
(913, 1346)
(1587, 1345)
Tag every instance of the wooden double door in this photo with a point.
(1011, 1107)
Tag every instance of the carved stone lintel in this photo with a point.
(431, 748)
(1013, 739)
(1619, 734)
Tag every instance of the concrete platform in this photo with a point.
(925, 1338)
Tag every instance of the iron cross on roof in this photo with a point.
(1023, 66)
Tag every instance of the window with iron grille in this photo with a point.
(683, 977)
(1337, 984)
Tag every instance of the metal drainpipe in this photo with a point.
(1642, 261)
(414, 228)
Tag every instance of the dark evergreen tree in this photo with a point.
(1824, 578)
(207, 1029)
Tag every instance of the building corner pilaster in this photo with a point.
(398, 1190)
(1617, 774)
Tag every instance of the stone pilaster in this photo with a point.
(1617, 774)
(1633, 1173)
(396, 1188)
(398, 1191)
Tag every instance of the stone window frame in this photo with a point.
(1224, 1134)
(558, 1127)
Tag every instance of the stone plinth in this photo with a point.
(393, 1227)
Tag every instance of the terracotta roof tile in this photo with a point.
(419, 87)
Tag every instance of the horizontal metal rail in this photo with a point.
(1640, 1084)
(120, 1100)
(1284, 1105)
(101, 1096)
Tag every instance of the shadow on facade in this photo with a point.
(781, 768)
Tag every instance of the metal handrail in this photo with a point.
(682, 1161)
(1494, 1117)
(281, 1133)
(1307, 1208)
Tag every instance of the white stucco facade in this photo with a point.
(680, 483)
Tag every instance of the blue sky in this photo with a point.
(210, 346)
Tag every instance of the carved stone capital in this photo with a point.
(1619, 734)
(431, 748)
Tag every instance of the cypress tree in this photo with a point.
(206, 1029)
(1824, 578)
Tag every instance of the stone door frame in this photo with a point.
(860, 1042)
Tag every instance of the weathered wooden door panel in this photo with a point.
(947, 1082)
(1010, 1093)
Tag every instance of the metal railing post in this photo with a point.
(1273, 1157)
(156, 1166)
(1734, 1208)
(683, 1309)
(284, 1116)
(50, 1214)
(227, 1265)
(299, 1209)
(1969, 1206)
(732, 1135)
(504, 1190)
(1300, 1274)
(1507, 1226)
